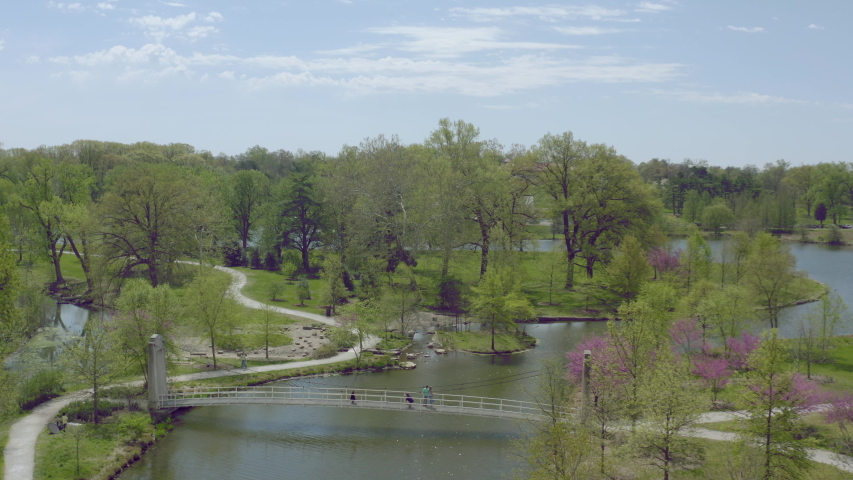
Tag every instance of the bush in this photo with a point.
(833, 237)
(255, 259)
(83, 410)
(232, 255)
(271, 262)
(39, 388)
(134, 424)
(325, 351)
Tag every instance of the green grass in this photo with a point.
(258, 288)
(481, 342)
(395, 341)
(103, 450)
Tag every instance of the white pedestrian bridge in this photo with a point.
(364, 398)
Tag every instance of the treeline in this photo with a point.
(129, 210)
(769, 198)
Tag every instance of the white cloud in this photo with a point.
(214, 17)
(2, 44)
(174, 4)
(347, 2)
(160, 28)
(33, 59)
(200, 32)
(483, 78)
(740, 98)
(585, 30)
(649, 7)
(452, 42)
(351, 50)
(545, 13)
(106, 6)
(68, 7)
(746, 29)
(812, 26)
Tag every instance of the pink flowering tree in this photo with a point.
(663, 260)
(686, 336)
(840, 412)
(741, 348)
(606, 382)
(714, 371)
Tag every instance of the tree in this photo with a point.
(770, 270)
(498, 301)
(714, 371)
(12, 329)
(727, 311)
(663, 261)
(288, 269)
(598, 194)
(357, 327)
(47, 190)
(629, 269)
(670, 410)
(820, 213)
(551, 265)
(145, 214)
(696, 259)
(267, 316)
(143, 311)
(297, 216)
(333, 286)
(302, 291)
(402, 297)
(774, 399)
(557, 447)
(607, 402)
(717, 215)
(275, 289)
(829, 314)
(247, 191)
(95, 359)
(209, 305)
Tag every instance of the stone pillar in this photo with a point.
(585, 384)
(156, 370)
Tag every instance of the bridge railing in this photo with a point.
(383, 399)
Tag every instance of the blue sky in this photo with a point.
(730, 82)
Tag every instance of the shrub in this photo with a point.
(39, 388)
(325, 351)
(83, 410)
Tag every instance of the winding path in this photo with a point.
(20, 451)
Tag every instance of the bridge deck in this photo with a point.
(340, 398)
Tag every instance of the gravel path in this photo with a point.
(20, 452)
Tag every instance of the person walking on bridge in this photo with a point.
(425, 391)
(352, 397)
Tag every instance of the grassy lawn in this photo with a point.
(260, 281)
(103, 449)
(481, 342)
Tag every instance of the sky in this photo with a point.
(731, 82)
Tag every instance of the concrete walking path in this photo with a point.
(20, 451)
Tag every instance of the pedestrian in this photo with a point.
(426, 394)
(352, 397)
(243, 360)
(431, 398)
(409, 400)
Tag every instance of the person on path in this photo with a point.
(426, 394)
(352, 397)
(64, 420)
(409, 400)
(431, 398)
(243, 360)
